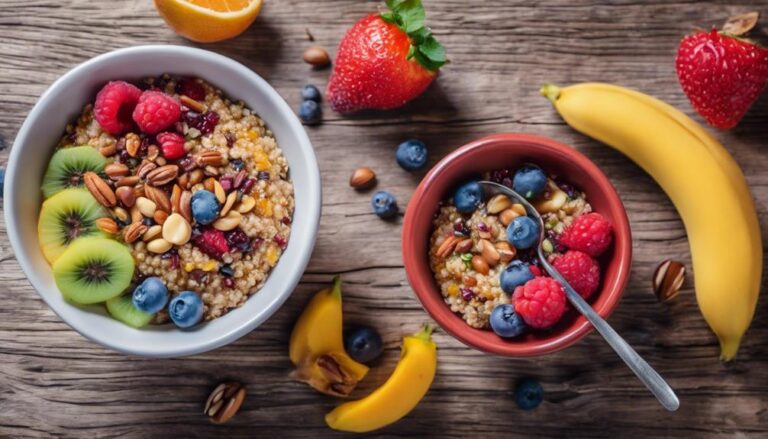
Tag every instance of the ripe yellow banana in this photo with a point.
(317, 347)
(403, 390)
(697, 173)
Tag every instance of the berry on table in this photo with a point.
(151, 295)
(540, 302)
(205, 207)
(114, 105)
(310, 93)
(411, 155)
(309, 112)
(384, 204)
(172, 145)
(523, 232)
(580, 270)
(515, 274)
(156, 111)
(186, 309)
(505, 322)
(528, 394)
(529, 181)
(468, 196)
(363, 344)
(591, 233)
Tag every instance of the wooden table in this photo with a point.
(53, 382)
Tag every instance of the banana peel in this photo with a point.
(317, 346)
(400, 394)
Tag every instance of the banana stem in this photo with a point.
(336, 288)
(550, 91)
(426, 332)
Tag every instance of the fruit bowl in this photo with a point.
(35, 144)
(511, 150)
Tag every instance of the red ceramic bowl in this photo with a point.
(511, 150)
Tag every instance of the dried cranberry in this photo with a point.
(286, 220)
(231, 141)
(144, 148)
(460, 228)
(123, 156)
(263, 175)
(187, 164)
(199, 276)
(227, 182)
(175, 262)
(237, 239)
(228, 282)
(280, 241)
(467, 294)
(482, 227)
(191, 88)
(502, 176)
(248, 185)
(210, 120)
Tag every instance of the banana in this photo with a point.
(698, 174)
(317, 346)
(395, 398)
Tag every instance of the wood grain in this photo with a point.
(53, 382)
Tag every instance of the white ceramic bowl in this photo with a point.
(64, 100)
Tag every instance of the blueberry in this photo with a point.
(528, 394)
(310, 93)
(523, 232)
(363, 344)
(384, 204)
(515, 274)
(186, 309)
(151, 295)
(529, 181)
(2, 181)
(309, 112)
(505, 322)
(468, 196)
(205, 207)
(411, 155)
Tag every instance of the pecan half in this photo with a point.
(116, 170)
(99, 189)
(145, 168)
(162, 175)
(107, 225)
(447, 247)
(225, 400)
(134, 232)
(159, 197)
(210, 158)
(668, 279)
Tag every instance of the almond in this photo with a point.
(506, 216)
(231, 198)
(99, 189)
(185, 205)
(129, 180)
(447, 247)
(160, 216)
(162, 175)
(464, 246)
(246, 204)
(136, 216)
(152, 152)
(362, 178)
(208, 184)
(121, 214)
(218, 190)
(195, 176)
(489, 253)
(469, 281)
(228, 222)
(152, 233)
(183, 181)
(134, 232)
(126, 195)
(108, 150)
(132, 144)
(159, 197)
(479, 265)
(146, 206)
(506, 251)
(498, 203)
(159, 246)
(107, 225)
(116, 170)
(175, 197)
(316, 56)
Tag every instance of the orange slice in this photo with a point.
(206, 21)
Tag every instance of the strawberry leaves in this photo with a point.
(409, 16)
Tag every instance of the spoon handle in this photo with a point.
(652, 380)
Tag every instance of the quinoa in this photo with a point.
(245, 142)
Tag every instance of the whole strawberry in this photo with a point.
(722, 75)
(385, 60)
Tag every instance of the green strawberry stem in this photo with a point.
(409, 16)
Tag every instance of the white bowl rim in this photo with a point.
(312, 210)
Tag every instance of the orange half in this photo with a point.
(207, 21)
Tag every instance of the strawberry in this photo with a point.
(385, 60)
(722, 75)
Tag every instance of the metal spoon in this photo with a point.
(652, 380)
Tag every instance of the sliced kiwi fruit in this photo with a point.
(122, 308)
(70, 214)
(93, 270)
(67, 167)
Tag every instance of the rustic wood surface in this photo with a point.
(53, 382)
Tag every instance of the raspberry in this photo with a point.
(535, 270)
(590, 233)
(211, 242)
(172, 145)
(156, 111)
(540, 302)
(580, 270)
(114, 104)
(191, 88)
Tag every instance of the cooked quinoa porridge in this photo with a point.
(470, 250)
(197, 188)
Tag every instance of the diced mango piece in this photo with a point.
(453, 290)
(264, 207)
(271, 255)
(189, 267)
(210, 266)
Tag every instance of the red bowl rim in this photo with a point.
(426, 290)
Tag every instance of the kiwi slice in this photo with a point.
(93, 269)
(67, 167)
(68, 215)
(123, 309)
